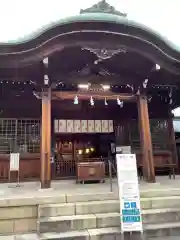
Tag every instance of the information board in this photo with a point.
(130, 209)
(14, 162)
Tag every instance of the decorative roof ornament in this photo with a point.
(104, 53)
(103, 7)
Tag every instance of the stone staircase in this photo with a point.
(95, 217)
(87, 216)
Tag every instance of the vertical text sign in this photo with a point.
(130, 209)
(14, 162)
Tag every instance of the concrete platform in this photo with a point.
(70, 187)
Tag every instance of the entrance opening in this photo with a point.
(71, 149)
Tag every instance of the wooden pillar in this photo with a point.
(46, 139)
(145, 139)
(172, 139)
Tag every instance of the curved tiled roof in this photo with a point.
(91, 26)
(90, 17)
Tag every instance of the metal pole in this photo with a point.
(110, 175)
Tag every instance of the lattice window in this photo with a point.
(134, 133)
(19, 135)
(28, 135)
(8, 129)
(159, 134)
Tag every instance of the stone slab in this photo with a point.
(71, 198)
(31, 200)
(75, 235)
(159, 192)
(54, 210)
(21, 237)
(25, 225)
(67, 223)
(153, 231)
(161, 215)
(104, 220)
(19, 212)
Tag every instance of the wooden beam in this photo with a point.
(46, 139)
(64, 95)
(145, 138)
(118, 79)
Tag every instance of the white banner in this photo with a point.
(83, 126)
(14, 162)
(130, 209)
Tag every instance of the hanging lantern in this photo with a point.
(87, 150)
(80, 152)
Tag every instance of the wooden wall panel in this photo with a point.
(29, 168)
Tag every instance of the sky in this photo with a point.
(18, 18)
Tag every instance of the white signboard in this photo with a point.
(70, 126)
(77, 126)
(56, 126)
(97, 126)
(14, 162)
(111, 129)
(62, 126)
(123, 149)
(83, 126)
(130, 209)
(91, 126)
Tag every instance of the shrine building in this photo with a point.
(71, 89)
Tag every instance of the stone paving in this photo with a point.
(27, 189)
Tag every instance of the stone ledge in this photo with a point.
(92, 207)
(21, 237)
(19, 212)
(114, 233)
(74, 235)
(71, 198)
(56, 197)
(67, 223)
(104, 220)
(54, 210)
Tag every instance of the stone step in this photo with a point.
(150, 193)
(57, 197)
(32, 236)
(80, 208)
(153, 231)
(158, 191)
(164, 215)
(103, 220)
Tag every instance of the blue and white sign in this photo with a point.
(130, 210)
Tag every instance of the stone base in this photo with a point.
(45, 184)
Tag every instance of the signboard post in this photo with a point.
(14, 166)
(130, 209)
